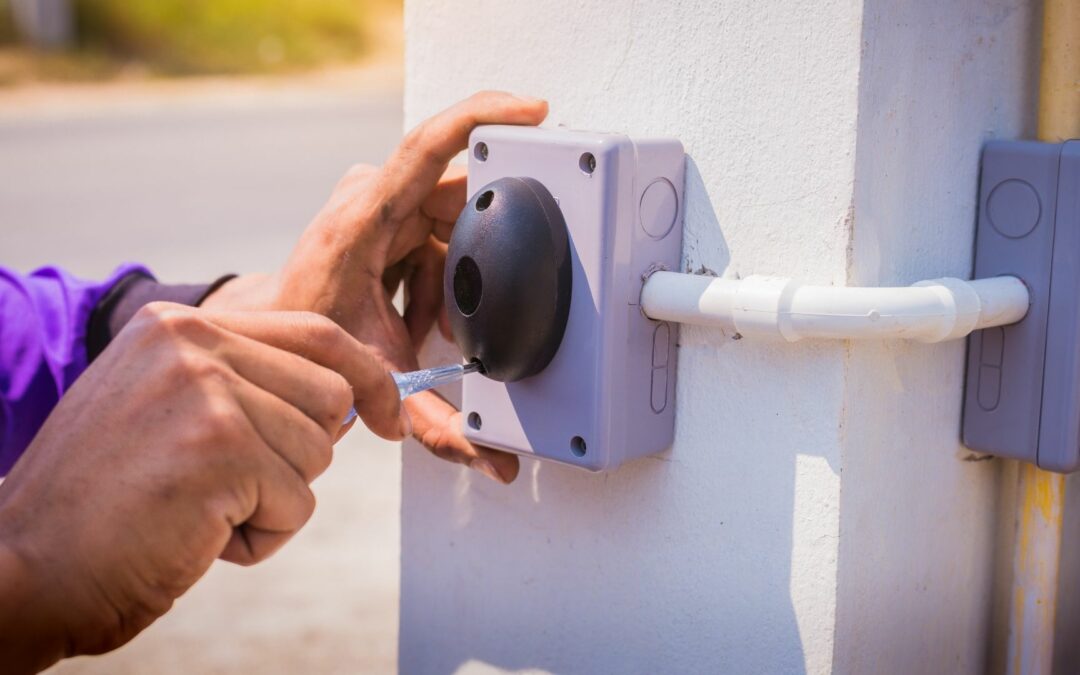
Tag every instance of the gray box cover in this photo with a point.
(1022, 394)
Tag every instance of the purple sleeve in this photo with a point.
(43, 324)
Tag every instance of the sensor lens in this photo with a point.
(484, 200)
(468, 288)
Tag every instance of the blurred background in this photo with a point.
(98, 39)
(200, 137)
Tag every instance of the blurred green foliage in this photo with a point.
(223, 36)
(182, 37)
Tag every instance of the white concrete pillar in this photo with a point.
(815, 513)
(918, 574)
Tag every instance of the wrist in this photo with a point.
(244, 292)
(33, 635)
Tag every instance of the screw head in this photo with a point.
(481, 151)
(587, 163)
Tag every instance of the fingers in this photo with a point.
(391, 278)
(418, 163)
(358, 173)
(444, 325)
(285, 503)
(260, 491)
(425, 296)
(296, 438)
(373, 220)
(318, 392)
(321, 341)
(444, 204)
(438, 426)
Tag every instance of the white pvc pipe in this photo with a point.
(759, 306)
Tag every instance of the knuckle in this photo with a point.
(153, 310)
(339, 397)
(248, 559)
(324, 455)
(223, 420)
(439, 445)
(316, 455)
(361, 170)
(356, 175)
(306, 506)
(194, 366)
(298, 506)
(419, 144)
(219, 424)
(164, 319)
(324, 336)
(247, 547)
(415, 135)
(444, 453)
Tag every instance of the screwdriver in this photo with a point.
(421, 380)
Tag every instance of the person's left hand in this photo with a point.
(383, 227)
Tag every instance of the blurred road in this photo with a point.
(196, 181)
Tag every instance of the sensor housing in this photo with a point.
(607, 394)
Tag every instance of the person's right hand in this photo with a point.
(194, 436)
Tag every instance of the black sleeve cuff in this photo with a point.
(134, 290)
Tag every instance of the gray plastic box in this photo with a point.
(1022, 394)
(608, 395)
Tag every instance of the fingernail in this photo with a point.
(528, 99)
(485, 467)
(405, 426)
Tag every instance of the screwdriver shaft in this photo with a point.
(421, 380)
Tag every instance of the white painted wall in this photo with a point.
(813, 514)
(917, 523)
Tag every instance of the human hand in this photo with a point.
(383, 227)
(194, 436)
